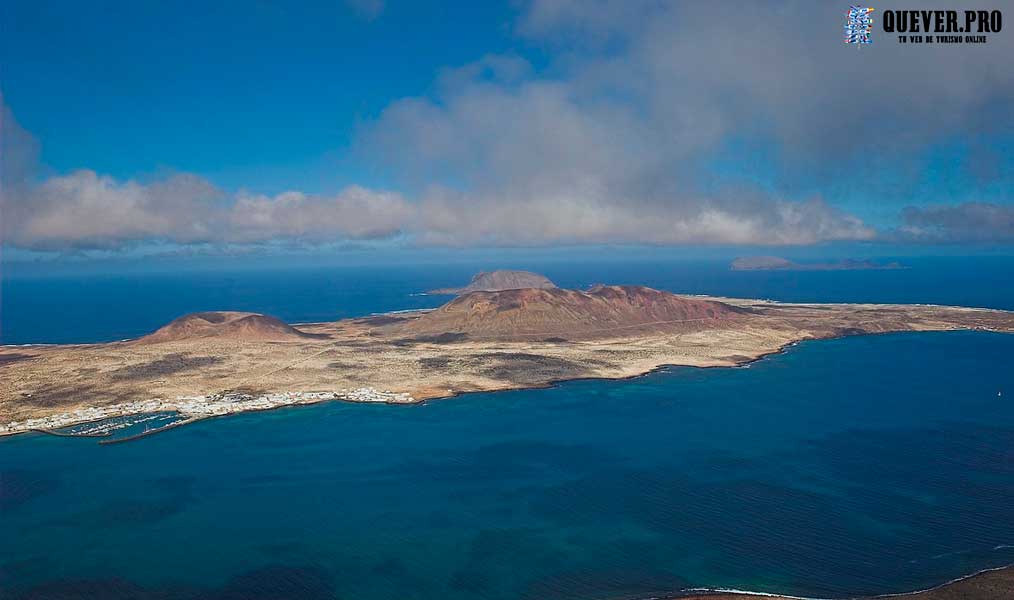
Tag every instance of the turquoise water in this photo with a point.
(860, 465)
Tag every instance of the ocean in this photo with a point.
(81, 308)
(859, 465)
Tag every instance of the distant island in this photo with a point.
(216, 363)
(495, 281)
(776, 263)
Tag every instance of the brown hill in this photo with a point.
(225, 325)
(495, 281)
(603, 311)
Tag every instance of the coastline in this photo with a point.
(516, 376)
(745, 594)
(193, 409)
(413, 400)
(979, 585)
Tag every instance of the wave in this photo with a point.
(707, 590)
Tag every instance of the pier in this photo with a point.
(148, 432)
(66, 434)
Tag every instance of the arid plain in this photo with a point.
(481, 341)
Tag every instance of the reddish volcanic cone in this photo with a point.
(603, 311)
(230, 325)
(496, 281)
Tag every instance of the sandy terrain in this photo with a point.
(384, 353)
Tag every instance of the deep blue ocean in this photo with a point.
(97, 307)
(853, 466)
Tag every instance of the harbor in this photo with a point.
(102, 421)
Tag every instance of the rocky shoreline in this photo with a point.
(988, 584)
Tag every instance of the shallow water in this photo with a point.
(860, 465)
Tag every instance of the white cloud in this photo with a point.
(450, 218)
(355, 213)
(604, 144)
(368, 9)
(981, 222)
(84, 210)
(610, 145)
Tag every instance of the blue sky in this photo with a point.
(133, 128)
(266, 97)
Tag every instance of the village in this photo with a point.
(196, 407)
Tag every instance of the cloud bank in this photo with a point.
(967, 222)
(84, 210)
(614, 141)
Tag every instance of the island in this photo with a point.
(776, 263)
(212, 364)
(496, 281)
